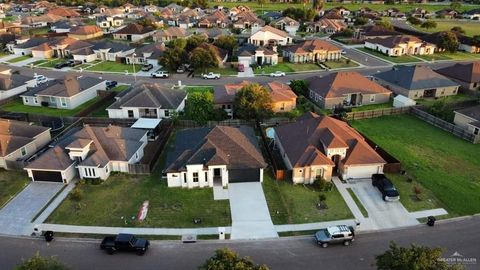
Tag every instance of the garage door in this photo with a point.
(362, 171)
(47, 176)
(244, 175)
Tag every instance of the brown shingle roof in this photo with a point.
(268, 28)
(394, 41)
(85, 30)
(63, 12)
(280, 91)
(308, 46)
(135, 29)
(16, 134)
(469, 72)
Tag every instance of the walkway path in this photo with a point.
(250, 215)
(16, 216)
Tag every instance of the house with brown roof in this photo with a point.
(40, 21)
(283, 98)
(348, 89)
(469, 118)
(207, 157)
(146, 54)
(325, 25)
(218, 19)
(169, 34)
(417, 82)
(249, 55)
(12, 84)
(84, 32)
(19, 141)
(447, 13)
(67, 93)
(374, 31)
(134, 32)
(90, 153)
(287, 24)
(400, 45)
(316, 147)
(268, 35)
(64, 12)
(247, 20)
(148, 100)
(466, 74)
(312, 51)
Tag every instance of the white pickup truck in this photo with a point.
(211, 76)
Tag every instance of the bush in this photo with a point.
(414, 21)
(320, 184)
(322, 197)
(96, 181)
(41, 263)
(76, 195)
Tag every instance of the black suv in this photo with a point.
(388, 190)
(62, 65)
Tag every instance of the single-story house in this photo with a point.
(249, 55)
(84, 32)
(287, 24)
(207, 157)
(400, 45)
(348, 89)
(468, 118)
(25, 48)
(473, 14)
(268, 35)
(169, 34)
(148, 100)
(134, 32)
(147, 54)
(19, 141)
(91, 152)
(316, 147)
(13, 84)
(108, 51)
(309, 51)
(67, 93)
(417, 82)
(466, 74)
(325, 25)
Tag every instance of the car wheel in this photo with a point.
(110, 251)
(141, 252)
(324, 245)
(385, 198)
(346, 243)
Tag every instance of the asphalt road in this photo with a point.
(460, 236)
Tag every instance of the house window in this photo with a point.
(53, 100)
(25, 100)
(167, 113)
(93, 172)
(63, 102)
(86, 172)
(130, 113)
(229, 106)
(206, 177)
(282, 107)
(372, 98)
(106, 169)
(35, 100)
(195, 177)
(476, 131)
(136, 155)
(23, 151)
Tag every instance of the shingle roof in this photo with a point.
(135, 29)
(394, 41)
(415, 77)
(85, 30)
(237, 148)
(268, 28)
(469, 72)
(342, 83)
(472, 112)
(16, 134)
(305, 142)
(280, 91)
(113, 46)
(33, 42)
(67, 87)
(308, 46)
(151, 95)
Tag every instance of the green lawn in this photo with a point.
(52, 62)
(19, 59)
(109, 66)
(397, 59)
(343, 63)
(290, 204)
(11, 183)
(441, 162)
(222, 71)
(373, 107)
(286, 67)
(449, 100)
(471, 27)
(357, 202)
(450, 56)
(37, 63)
(193, 89)
(17, 106)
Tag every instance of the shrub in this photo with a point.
(322, 197)
(76, 194)
(320, 183)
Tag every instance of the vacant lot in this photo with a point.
(11, 182)
(343, 63)
(108, 66)
(287, 67)
(450, 56)
(447, 166)
(471, 27)
(17, 106)
(291, 204)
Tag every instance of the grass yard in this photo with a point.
(108, 66)
(373, 107)
(343, 63)
(19, 59)
(398, 59)
(52, 62)
(11, 183)
(287, 67)
(193, 89)
(442, 163)
(450, 56)
(225, 71)
(17, 106)
(357, 202)
(449, 100)
(37, 63)
(471, 27)
(290, 204)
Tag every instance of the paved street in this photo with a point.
(286, 253)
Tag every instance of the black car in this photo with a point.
(388, 190)
(73, 63)
(111, 84)
(62, 65)
(124, 242)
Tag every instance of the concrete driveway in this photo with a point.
(250, 215)
(382, 214)
(16, 216)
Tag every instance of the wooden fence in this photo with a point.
(376, 113)
(449, 127)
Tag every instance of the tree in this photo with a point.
(228, 259)
(414, 20)
(38, 262)
(253, 102)
(385, 24)
(455, 5)
(199, 107)
(429, 24)
(172, 58)
(360, 21)
(300, 87)
(261, 3)
(458, 29)
(317, 5)
(309, 15)
(202, 59)
(414, 257)
(228, 43)
(448, 41)
(179, 43)
(195, 41)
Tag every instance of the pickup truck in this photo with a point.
(124, 242)
(211, 75)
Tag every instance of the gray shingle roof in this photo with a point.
(67, 87)
(16, 134)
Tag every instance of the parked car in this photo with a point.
(241, 68)
(72, 63)
(344, 52)
(61, 65)
(181, 69)
(211, 75)
(111, 84)
(147, 67)
(277, 74)
(160, 74)
(388, 190)
(335, 234)
(125, 242)
(40, 79)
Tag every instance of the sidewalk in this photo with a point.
(313, 226)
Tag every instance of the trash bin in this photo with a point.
(431, 221)
(48, 236)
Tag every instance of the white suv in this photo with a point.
(160, 74)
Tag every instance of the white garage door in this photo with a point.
(362, 171)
